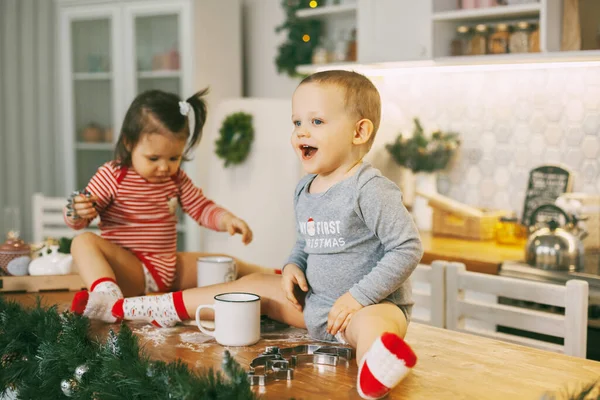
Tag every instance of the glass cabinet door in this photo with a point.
(158, 45)
(90, 65)
(158, 38)
(157, 53)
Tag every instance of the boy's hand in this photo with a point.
(83, 207)
(293, 277)
(341, 313)
(232, 224)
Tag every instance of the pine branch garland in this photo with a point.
(40, 350)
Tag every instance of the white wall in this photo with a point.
(261, 17)
(261, 190)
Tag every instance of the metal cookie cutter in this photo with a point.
(277, 364)
(71, 212)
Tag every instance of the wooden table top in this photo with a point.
(451, 365)
(478, 256)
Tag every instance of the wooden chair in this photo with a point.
(573, 297)
(48, 219)
(428, 290)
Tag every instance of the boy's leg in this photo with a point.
(384, 359)
(108, 271)
(186, 276)
(168, 309)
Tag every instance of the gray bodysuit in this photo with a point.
(358, 237)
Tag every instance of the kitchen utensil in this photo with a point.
(554, 247)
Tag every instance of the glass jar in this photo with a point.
(519, 40)
(510, 231)
(479, 40)
(498, 41)
(466, 4)
(461, 44)
(487, 3)
(340, 48)
(534, 39)
(351, 52)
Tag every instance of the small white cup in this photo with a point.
(215, 269)
(237, 319)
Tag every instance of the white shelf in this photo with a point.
(327, 11)
(94, 146)
(92, 76)
(556, 58)
(524, 58)
(163, 73)
(311, 68)
(499, 12)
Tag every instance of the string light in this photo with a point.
(312, 4)
(306, 37)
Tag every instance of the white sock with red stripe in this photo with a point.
(163, 311)
(386, 363)
(98, 302)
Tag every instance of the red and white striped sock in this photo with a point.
(98, 302)
(386, 363)
(163, 311)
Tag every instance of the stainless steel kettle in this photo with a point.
(554, 247)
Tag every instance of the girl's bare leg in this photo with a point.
(371, 322)
(186, 276)
(274, 304)
(97, 258)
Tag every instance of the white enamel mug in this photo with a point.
(215, 269)
(237, 319)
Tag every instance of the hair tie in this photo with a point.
(184, 108)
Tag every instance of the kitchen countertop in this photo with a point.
(451, 365)
(478, 256)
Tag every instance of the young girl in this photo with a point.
(346, 279)
(136, 197)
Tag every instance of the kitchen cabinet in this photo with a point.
(446, 17)
(394, 30)
(404, 34)
(386, 30)
(110, 51)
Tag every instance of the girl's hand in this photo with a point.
(341, 313)
(232, 224)
(84, 207)
(293, 277)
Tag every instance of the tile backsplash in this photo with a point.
(509, 121)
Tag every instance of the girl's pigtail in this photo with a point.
(198, 103)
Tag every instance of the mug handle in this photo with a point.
(199, 322)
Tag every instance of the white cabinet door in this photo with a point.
(394, 30)
(158, 55)
(158, 47)
(90, 81)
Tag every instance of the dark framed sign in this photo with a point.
(546, 183)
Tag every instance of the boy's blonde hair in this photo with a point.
(361, 98)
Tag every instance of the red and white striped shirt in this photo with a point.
(140, 216)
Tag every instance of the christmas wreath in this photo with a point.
(236, 136)
(302, 38)
(48, 355)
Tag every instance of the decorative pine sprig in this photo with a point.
(41, 349)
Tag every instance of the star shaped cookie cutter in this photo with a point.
(278, 364)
